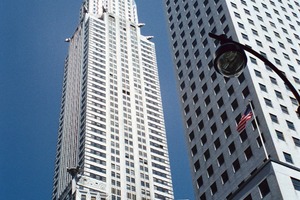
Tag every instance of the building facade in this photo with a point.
(111, 139)
(226, 164)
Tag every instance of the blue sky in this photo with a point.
(32, 52)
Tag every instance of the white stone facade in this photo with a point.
(111, 124)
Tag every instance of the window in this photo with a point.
(279, 135)
(187, 109)
(245, 36)
(197, 165)
(220, 8)
(213, 128)
(182, 85)
(276, 34)
(198, 111)
(268, 102)
(236, 165)
(189, 122)
(264, 188)
(290, 125)
(241, 25)
(297, 80)
(263, 87)
(195, 4)
(199, 181)
(289, 40)
(253, 60)
(194, 44)
(246, 92)
(221, 160)
(206, 155)
(247, 11)
(268, 39)
(296, 141)
(220, 102)
(195, 98)
(241, 78)
(278, 94)
(227, 132)
(211, 21)
(199, 65)
(294, 51)
(184, 97)
(193, 86)
(249, 197)
(208, 11)
(263, 28)
(294, 101)
(230, 90)
(234, 105)
(281, 45)
(203, 196)
(224, 117)
(207, 53)
(203, 139)
(251, 21)
(210, 171)
(192, 135)
(233, 5)
(191, 75)
(217, 143)
(192, 33)
(231, 148)
(194, 150)
(207, 100)
(223, 19)
(224, 177)
(243, 136)
(284, 109)
(284, 30)
(248, 153)
(288, 157)
(274, 118)
(188, 65)
(296, 184)
(217, 89)
(273, 24)
(201, 125)
(259, 18)
(273, 80)
(204, 88)
(213, 188)
(257, 73)
(237, 15)
(273, 49)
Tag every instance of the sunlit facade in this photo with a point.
(226, 164)
(111, 139)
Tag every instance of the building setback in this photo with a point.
(226, 164)
(111, 139)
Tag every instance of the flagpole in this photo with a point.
(259, 132)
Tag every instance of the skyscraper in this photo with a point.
(111, 138)
(226, 164)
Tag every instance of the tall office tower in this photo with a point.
(111, 138)
(227, 164)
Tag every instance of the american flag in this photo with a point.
(246, 117)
